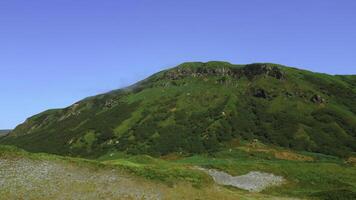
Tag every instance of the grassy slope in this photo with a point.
(128, 178)
(309, 176)
(175, 111)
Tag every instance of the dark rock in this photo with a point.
(260, 93)
(288, 94)
(250, 71)
(253, 70)
(110, 103)
(317, 99)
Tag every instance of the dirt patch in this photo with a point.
(351, 160)
(172, 156)
(279, 154)
(287, 155)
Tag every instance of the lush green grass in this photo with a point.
(157, 169)
(305, 179)
(313, 179)
(325, 177)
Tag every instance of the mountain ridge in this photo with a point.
(208, 104)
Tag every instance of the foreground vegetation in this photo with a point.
(44, 176)
(308, 175)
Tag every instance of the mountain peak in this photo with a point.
(219, 68)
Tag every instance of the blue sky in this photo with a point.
(53, 53)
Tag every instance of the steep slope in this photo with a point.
(199, 107)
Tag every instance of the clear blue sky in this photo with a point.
(53, 53)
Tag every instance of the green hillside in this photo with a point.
(202, 108)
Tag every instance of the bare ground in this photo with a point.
(31, 179)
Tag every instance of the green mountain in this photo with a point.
(203, 107)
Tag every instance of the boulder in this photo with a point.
(317, 99)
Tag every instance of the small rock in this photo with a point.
(317, 99)
(260, 93)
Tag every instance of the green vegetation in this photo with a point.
(311, 175)
(197, 108)
(161, 170)
(323, 177)
(305, 179)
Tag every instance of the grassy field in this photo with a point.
(308, 175)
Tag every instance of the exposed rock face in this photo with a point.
(249, 71)
(111, 103)
(262, 69)
(74, 110)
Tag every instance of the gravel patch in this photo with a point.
(35, 179)
(254, 181)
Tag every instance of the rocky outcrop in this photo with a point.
(249, 71)
(73, 110)
(111, 103)
(262, 69)
(317, 99)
